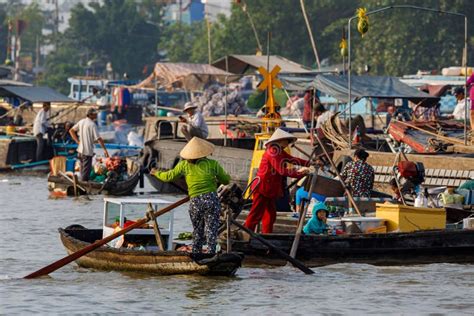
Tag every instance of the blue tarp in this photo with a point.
(367, 86)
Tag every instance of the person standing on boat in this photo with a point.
(359, 175)
(202, 177)
(195, 124)
(42, 128)
(271, 172)
(86, 134)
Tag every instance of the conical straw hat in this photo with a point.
(197, 148)
(280, 134)
(189, 105)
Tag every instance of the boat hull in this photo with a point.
(120, 188)
(149, 262)
(378, 249)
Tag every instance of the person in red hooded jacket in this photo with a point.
(274, 166)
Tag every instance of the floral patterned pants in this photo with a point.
(204, 211)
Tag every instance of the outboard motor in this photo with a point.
(410, 175)
(230, 197)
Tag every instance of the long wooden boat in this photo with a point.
(150, 262)
(422, 247)
(119, 188)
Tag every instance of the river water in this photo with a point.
(29, 240)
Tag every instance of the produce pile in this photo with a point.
(212, 102)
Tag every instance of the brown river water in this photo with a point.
(29, 240)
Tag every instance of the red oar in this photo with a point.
(62, 262)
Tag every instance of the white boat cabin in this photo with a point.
(118, 212)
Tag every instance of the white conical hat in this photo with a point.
(189, 105)
(196, 148)
(280, 134)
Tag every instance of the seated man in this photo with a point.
(195, 123)
(459, 110)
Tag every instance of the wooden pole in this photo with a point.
(348, 193)
(159, 239)
(303, 212)
(313, 44)
(228, 223)
(76, 255)
(298, 264)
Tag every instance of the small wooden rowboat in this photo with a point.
(150, 262)
(65, 183)
(421, 247)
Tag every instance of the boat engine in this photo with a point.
(230, 197)
(410, 175)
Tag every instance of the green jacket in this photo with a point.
(201, 177)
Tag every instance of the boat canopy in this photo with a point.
(367, 87)
(34, 94)
(187, 76)
(241, 64)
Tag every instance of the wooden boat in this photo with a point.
(151, 262)
(125, 187)
(422, 247)
(147, 249)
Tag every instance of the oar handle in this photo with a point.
(68, 259)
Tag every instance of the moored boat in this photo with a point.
(66, 183)
(421, 247)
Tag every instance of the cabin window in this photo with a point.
(113, 212)
(83, 88)
(136, 212)
(75, 88)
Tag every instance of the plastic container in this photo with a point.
(365, 224)
(335, 223)
(408, 218)
(10, 130)
(421, 201)
(70, 164)
(468, 223)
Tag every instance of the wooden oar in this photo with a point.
(72, 181)
(298, 264)
(68, 259)
(303, 212)
(348, 193)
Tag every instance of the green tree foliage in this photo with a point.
(402, 41)
(399, 41)
(34, 24)
(123, 32)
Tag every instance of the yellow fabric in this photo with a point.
(57, 164)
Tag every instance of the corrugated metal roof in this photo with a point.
(34, 94)
(240, 64)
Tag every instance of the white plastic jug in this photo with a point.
(421, 201)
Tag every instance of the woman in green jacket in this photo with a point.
(202, 177)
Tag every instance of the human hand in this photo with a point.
(304, 170)
(182, 119)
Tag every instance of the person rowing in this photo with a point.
(202, 177)
(274, 166)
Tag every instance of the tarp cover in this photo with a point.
(34, 94)
(183, 75)
(367, 86)
(241, 64)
